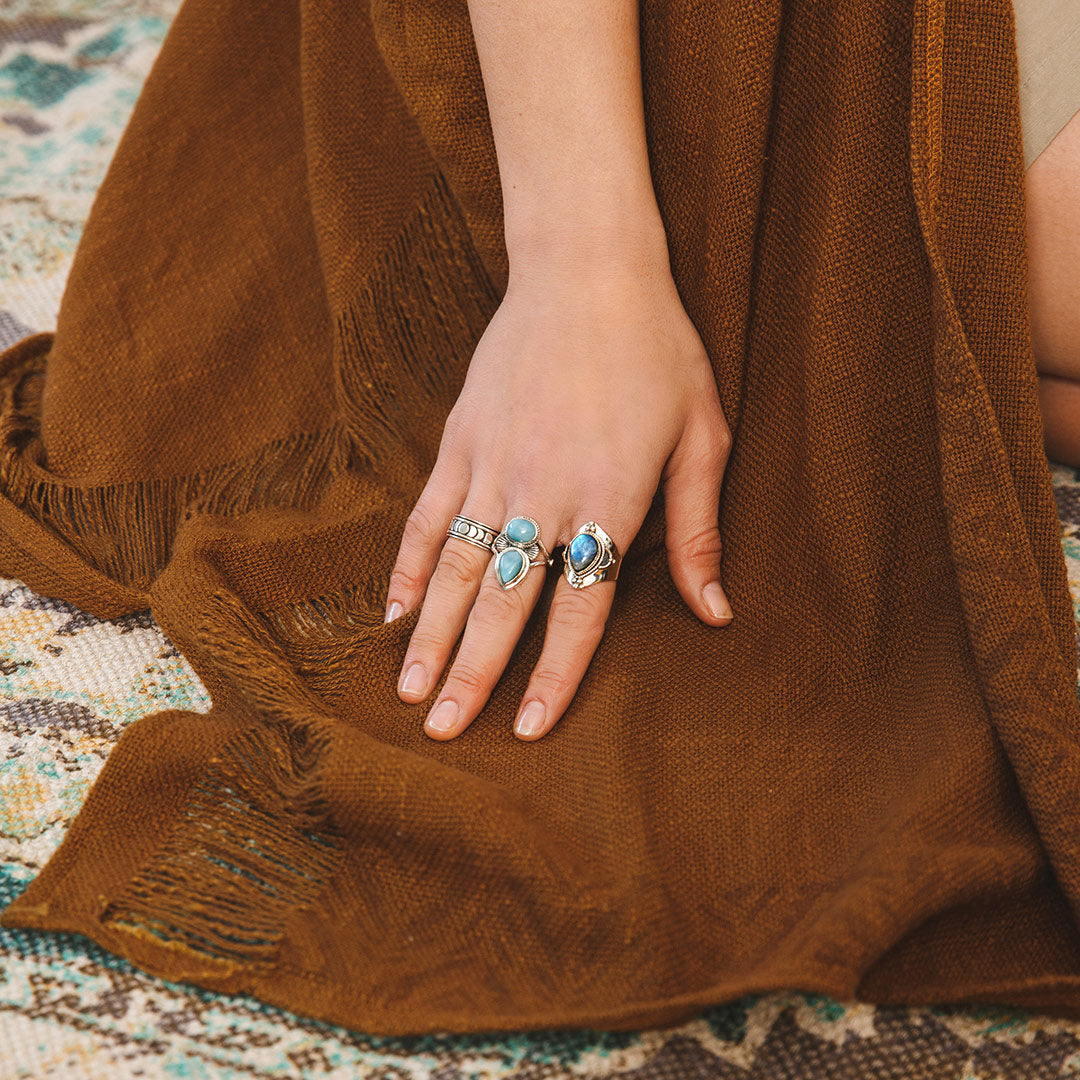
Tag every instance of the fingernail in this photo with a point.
(714, 599)
(444, 716)
(393, 611)
(415, 680)
(531, 719)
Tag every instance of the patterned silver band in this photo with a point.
(472, 532)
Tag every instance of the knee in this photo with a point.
(1052, 190)
(1059, 403)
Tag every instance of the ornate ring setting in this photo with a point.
(590, 557)
(517, 549)
(472, 532)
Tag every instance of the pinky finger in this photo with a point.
(575, 625)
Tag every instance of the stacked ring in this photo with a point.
(517, 549)
(472, 532)
(590, 557)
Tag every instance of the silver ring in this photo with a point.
(517, 549)
(590, 557)
(472, 532)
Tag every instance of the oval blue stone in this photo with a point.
(582, 550)
(508, 565)
(521, 530)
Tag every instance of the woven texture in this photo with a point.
(71, 1011)
(71, 683)
(866, 789)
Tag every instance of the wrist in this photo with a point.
(581, 219)
(583, 234)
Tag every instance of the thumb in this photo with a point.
(692, 480)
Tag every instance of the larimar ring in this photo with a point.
(590, 557)
(517, 549)
(472, 532)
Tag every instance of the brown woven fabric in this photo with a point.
(866, 786)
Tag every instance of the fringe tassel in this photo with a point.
(125, 530)
(324, 636)
(253, 845)
(407, 337)
(240, 862)
(327, 617)
(287, 662)
(404, 343)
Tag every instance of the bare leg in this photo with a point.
(1053, 223)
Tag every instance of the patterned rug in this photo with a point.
(70, 71)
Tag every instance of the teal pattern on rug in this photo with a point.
(70, 71)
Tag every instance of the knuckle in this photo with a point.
(575, 612)
(501, 606)
(554, 684)
(454, 430)
(722, 439)
(714, 460)
(426, 644)
(716, 444)
(404, 583)
(703, 545)
(456, 568)
(420, 529)
(532, 476)
(468, 679)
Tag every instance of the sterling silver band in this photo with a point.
(590, 557)
(472, 532)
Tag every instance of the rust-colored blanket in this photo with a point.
(869, 785)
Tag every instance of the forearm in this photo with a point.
(563, 85)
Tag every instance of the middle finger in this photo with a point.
(494, 625)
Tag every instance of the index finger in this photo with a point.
(575, 626)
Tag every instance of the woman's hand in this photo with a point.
(589, 386)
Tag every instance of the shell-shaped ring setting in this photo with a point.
(517, 549)
(590, 557)
(472, 532)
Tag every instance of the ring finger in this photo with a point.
(450, 594)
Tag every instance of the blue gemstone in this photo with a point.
(583, 550)
(521, 530)
(508, 565)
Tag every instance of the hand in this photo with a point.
(588, 387)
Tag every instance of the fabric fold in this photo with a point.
(862, 787)
(1023, 659)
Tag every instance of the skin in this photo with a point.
(590, 293)
(1052, 185)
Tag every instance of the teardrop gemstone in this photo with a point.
(508, 566)
(521, 530)
(582, 550)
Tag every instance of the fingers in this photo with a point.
(574, 628)
(450, 594)
(423, 537)
(462, 594)
(692, 478)
(492, 630)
